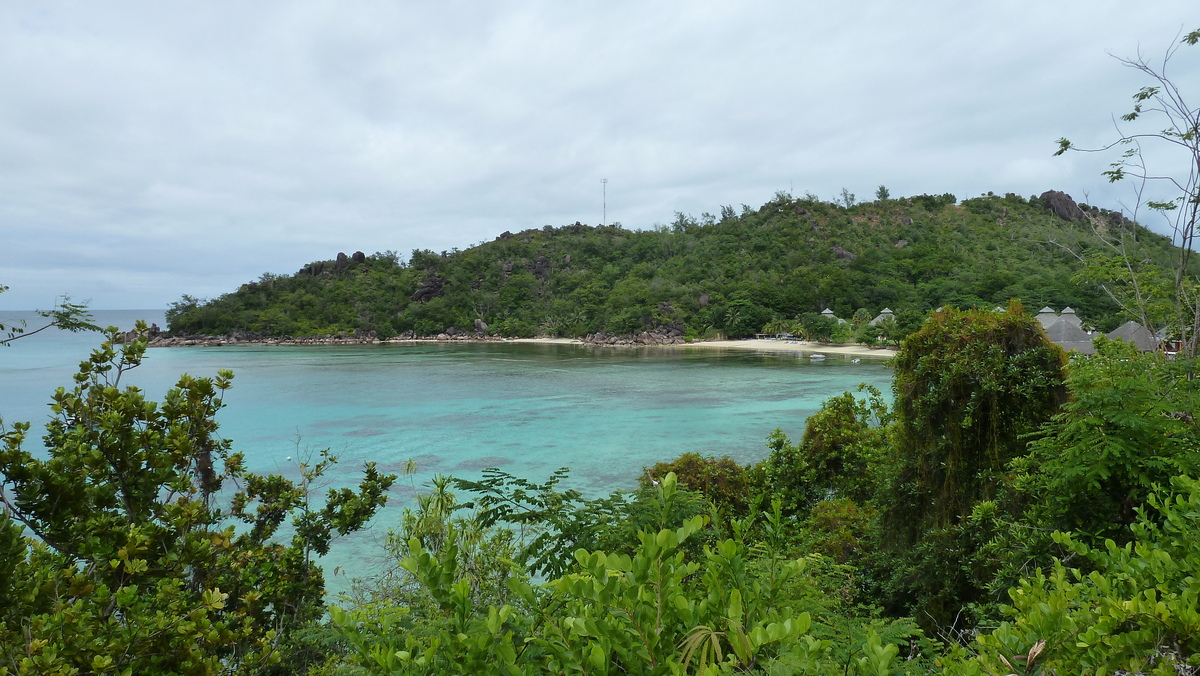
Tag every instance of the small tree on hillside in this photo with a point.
(846, 198)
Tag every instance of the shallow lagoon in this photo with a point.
(456, 408)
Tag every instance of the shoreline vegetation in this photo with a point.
(756, 345)
(865, 273)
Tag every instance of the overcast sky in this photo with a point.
(153, 149)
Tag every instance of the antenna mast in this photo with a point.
(604, 186)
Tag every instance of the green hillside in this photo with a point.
(732, 273)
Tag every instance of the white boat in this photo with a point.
(816, 357)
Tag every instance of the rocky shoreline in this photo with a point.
(364, 338)
(636, 339)
(159, 338)
(644, 339)
(598, 340)
(237, 338)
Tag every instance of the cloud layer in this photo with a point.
(148, 150)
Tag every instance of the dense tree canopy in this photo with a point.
(735, 275)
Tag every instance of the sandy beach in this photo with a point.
(801, 346)
(796, 346)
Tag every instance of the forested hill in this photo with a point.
(733, 273)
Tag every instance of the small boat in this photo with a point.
(855, 361)
(816, 357)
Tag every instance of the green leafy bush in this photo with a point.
(135, 564)
(1135, 611)
(656, 611)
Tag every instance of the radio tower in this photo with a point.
(604, 187)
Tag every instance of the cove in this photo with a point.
(457, 408)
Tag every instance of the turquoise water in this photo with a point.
(457, 408)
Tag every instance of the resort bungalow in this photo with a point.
(1065, 331)
(829, 313)
(883, 314)
(1143, 338)
(1047, 316)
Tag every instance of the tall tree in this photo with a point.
(969, 386)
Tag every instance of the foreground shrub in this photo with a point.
(140, 561)
(1135, 612)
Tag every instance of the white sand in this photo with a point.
(800, 346)
(797, 346)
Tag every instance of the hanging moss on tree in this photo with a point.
(968, 385)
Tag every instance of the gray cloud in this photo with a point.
(148, 151)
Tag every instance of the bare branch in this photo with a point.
(1160, 102)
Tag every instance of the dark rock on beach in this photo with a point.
(247, 338)
(657, 337)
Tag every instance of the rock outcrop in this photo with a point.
(1062, 205)
(430, 287)
(636, 339)
(842, 254)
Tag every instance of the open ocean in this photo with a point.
(457, 408)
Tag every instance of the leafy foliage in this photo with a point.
(721, 481)
(65, 315)
(700, 277)
(551, 524)
(1134, 612)
(135, 565)
(969, 385)
(657, 610)
(837, 458)
(1128, 428)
